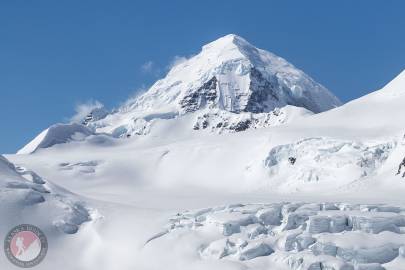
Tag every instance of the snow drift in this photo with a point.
(56, 134)
(23, 192)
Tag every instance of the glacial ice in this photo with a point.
(253, 250)
(322, 160)
(301, 235)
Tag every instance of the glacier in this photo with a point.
(234, 160)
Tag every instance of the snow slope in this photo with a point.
(357, 144)
(380, 110)
(56, 134)
(25, 196)
(331, 152)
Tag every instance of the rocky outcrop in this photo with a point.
(263, 94)
(205, 96)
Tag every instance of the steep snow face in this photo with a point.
(233, 75)
(56, 134)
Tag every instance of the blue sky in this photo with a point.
(55, 55)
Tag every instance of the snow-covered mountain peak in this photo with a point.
(234, 47)
(227, 45)
(229, 86)
(231, 74)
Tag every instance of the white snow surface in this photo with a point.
(340, 205)
(56, 134)
(214, 198)
(27, 197)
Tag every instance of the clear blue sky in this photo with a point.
(56, 54)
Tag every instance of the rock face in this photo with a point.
(402, 164)
(204, 96)
(221, 121)
(261, 97)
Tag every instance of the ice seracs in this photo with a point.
(325, 235)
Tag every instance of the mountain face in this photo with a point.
(233, 75)
(229, 75)
(230, 86)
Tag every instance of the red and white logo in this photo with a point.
(25, 245)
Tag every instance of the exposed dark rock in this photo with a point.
(94, 115)
(262, 96)
(261, 92)
(402, 164)
(205, 95)
(241, 126)
(205, 124)
(292, 160)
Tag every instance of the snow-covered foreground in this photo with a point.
(298, 235)
(146, 201)
(150, 228)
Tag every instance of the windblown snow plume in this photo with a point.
(82, 110)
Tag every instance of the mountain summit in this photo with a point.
(230, 86)
(233, 75)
